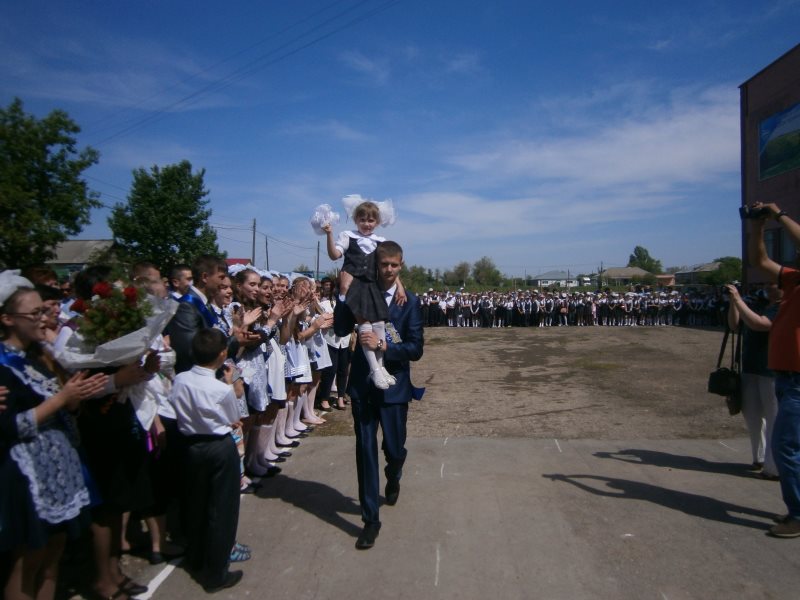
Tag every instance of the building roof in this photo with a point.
(625, 272)
(704, 268)
(554, 275)
(78, 252)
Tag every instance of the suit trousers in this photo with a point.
(367, 415)
(212, 502)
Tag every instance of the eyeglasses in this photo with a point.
(34, 315)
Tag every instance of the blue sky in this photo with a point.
(543, 135)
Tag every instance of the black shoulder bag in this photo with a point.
(726, 381)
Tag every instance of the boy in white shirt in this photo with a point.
(207, 411)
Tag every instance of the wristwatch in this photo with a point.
(380, 344)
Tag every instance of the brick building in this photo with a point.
(770, 130)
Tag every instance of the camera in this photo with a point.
(748, 212)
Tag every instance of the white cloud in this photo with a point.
(377, 71)
(329, 128)
(464, 63)
(687, 140)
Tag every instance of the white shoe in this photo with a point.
(388, 376)
(379, 380)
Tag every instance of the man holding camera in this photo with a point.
(784, 360)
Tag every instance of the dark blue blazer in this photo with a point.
(407, 321)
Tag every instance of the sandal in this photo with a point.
(238, 554)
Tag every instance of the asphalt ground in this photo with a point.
(515, 518)
(564, 463)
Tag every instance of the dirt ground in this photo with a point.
(566, 382)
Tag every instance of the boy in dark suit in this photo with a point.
(387, 408)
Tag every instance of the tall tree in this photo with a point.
(641, 258)
(459, 275)
(166, 217)
(42, 196)
(485, 273)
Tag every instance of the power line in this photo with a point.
(213, 66)
(253, 67)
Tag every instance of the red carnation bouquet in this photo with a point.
(115, 327)
(111, 313)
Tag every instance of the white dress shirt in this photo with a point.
(203, 404)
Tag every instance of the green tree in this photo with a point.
(641, 258)
(458, 276)
(730, 269)
(42, 196)
(166, 217)
(485, 273)
(415, 278)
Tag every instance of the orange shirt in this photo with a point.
(784, 336)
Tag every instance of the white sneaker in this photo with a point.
(379, 380)
(388, 376)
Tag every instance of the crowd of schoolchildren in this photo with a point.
(554, 308)
(245, 369)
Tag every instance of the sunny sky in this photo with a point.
(543, 135)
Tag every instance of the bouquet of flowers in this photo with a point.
(115, 327)
(111, 313)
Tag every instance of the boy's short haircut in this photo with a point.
(141, 267)
(389, 248)
(367, 209)
(207, 345)
(175, 272)
(209, 264)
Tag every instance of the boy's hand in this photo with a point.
(227, 373)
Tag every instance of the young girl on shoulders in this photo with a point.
(358, 283)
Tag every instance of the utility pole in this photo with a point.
(266, 249)
(317, 259)
(253, 250)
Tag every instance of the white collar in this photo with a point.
(199, 294)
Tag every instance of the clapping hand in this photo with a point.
(80, 387)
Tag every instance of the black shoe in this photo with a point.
(366, 540)
(289, 445)
(156, 558)
(130, 587)
(231, 579)
(272, 471)
(251, 488)
(392, 491)
(284, 454)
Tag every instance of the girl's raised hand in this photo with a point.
(251, 316)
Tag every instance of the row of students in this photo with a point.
(548, 309)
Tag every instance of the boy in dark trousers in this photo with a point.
(207, 412)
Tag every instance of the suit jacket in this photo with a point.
(407, 322)
(186, 322)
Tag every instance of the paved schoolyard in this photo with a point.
(516, 518)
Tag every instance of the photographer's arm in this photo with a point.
(739, 308)
(757, 251)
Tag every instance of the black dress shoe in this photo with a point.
(293, 444)
(231, 579)
(366, 540)
(272, 471)
(130, 587)
(284, 454)
(392, 491)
